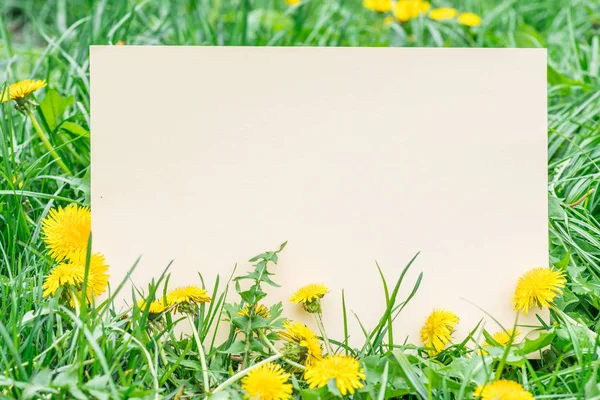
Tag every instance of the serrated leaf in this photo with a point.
(275, 311)
(532, 345)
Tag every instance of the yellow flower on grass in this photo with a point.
(259, 309)
(97, 275)
(66, 231)
(16, 178)
(186, 296)
(63, 275)
(345, 370)
(301, 335)
(309, 296)
(378, 5)
(267, 382)
(292, 2)
(469, 19)
(20, 91)
(71, 275)
(538, 286)
(156, 307)
(438, 328)
(309, 293)
(443, 13)
(502, 390)
(409, 9)
(503, 337)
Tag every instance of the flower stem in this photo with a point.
(245, 372)
(161, 351)
(319, 319)
(46, 142)
(270, 345)
(200, 352)
(247, 345)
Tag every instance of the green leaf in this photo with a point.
(592, 387)
(224, 395)
(410, 373)
(332, 387)
(74, 129)
(82, 186)
(255, 345)
(268, 281)
(241, 322)
(275, 311)
(99, 382)
(564, 262)
(248, 296)
(53, 107)
(66, 378)
(78, 394)
(256, 322)
(555, 210)
(528, 36)
(236, 348)
(556, 78)
(315, 394)
(532, 345)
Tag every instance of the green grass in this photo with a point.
(49, 350)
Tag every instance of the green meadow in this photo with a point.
(61, 337)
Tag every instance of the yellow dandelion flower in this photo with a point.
(502, 390)
(345, 370)
(503, 337)
(66, 231)
(97, 275)
(267, 382)
(469, 19)
(259, 309)
(156, 307)
(440, 14)
(409, 9)
(538, 286)
(72, 273)
(438, 328)
(303, 336)
(378, 5)
(20, 91)
(16, 178)
(187, 295)
(63, 275)
(309, 296)
(292, 2)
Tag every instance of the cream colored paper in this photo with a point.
(209, 156)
